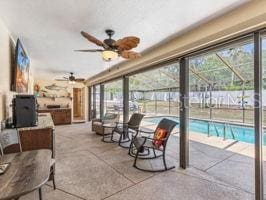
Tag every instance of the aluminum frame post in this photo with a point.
(258, 122)
(101, 101)
(94, 101)
(184, 113)
(89, 103)
(125, 99)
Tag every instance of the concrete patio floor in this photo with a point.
(87, 168)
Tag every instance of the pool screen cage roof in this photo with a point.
(229, 69)
(225, 69)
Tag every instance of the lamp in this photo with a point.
(71, 82)
(109, 55)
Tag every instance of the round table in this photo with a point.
(34, 166)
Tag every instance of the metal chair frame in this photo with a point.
(141, 148)
(124, 129)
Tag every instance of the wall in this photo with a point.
(61, 101)
(7, 51)
(6, 60)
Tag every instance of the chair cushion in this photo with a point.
(159, 135)
(97, 124)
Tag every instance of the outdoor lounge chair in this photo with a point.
(124, 129)
(156, 141)
(97, 124)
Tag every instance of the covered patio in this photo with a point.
(133, 100)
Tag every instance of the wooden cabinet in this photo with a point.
(59, 116)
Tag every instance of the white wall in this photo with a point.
(6, 50)
(7, 56)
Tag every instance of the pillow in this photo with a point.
(158, 137)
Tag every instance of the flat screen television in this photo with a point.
(21, 71)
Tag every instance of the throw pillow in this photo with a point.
(159, 136)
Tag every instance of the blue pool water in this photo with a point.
(240, 133)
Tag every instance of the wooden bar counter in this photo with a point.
(31, 138)
(60, 116)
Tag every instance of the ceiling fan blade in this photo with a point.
(130, 54)
(61, 80)
(127, 43)
(66, 78)
(89, 50)
(80, 79)
(93, 39)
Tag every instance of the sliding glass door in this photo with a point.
(113, 97)
(155, 92)
(221, 117)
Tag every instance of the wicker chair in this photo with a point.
(97, 124)
(144, 144)
(124, 129)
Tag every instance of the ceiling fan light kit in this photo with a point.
(71, 82)
(112, 48)
(109, 55)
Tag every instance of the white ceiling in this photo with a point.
(50, 29)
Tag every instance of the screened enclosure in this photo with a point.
(156, 92)
(215, 96)
(113, 97)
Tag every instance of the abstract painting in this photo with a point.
(22, 69)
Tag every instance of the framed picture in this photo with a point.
(22, 65)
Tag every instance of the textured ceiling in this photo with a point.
(49, 29)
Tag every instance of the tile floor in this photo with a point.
(87, 168)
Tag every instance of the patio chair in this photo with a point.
(10, 142)
(156, 141)
(97, 124)
(124, 129)
(52, 172)
(48, 143)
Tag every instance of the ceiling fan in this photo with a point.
(71, 78)
(113, 48)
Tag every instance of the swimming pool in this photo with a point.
(228, 131)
